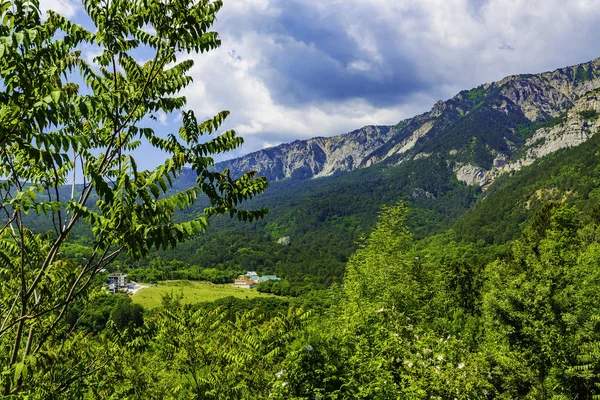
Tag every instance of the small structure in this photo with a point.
(244, 281)
(251, 280)
(116, 282)
(265, 278)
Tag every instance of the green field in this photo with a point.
(193, 292)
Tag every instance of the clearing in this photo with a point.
(193, 292)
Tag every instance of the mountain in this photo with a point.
(314, 158)
(482, 133)
(473, 169)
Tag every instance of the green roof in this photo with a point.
(269, 278)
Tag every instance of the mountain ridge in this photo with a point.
(511, 103)
(455, 168)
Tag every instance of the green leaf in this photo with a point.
(55, 95)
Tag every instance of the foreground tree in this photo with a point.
(384, 339)
(540, 306)
(53, 132)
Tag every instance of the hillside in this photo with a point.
(478, 165)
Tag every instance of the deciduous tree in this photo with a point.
(54, 131)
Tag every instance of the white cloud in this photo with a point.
(450, 43)
(161, 116)
(259, 118)
(360, 65)
(66, 8)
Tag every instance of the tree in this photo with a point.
(539, 309)
(127, 314)
(53, 131)
(383, 330)
(381, 260)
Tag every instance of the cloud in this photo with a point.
(310, 52)
(291, 69)
(257, 112)
(506, 47)
(67, 8)
(161, 116)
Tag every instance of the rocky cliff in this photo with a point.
(577, 125)
(495, 128)
(315, 157)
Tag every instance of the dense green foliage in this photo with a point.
(325, 218)
(584, 74)
(590, 115)
(526, 130)
(52, 131)
(158, 269)
(434, 319)
(478, 132)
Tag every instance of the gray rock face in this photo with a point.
(422, 194)
(473, 175)
(573, 131)
(314, 158)
(519, 99)
(500, 161)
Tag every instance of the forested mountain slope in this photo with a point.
(472, 164)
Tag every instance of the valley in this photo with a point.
(453, 254)
(470, 171)
(191, 292)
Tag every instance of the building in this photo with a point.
(246, 282)
(265, 278)
(116, 282)
(251, 280)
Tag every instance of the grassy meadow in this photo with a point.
(193, 292)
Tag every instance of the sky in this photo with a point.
(296, 69)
